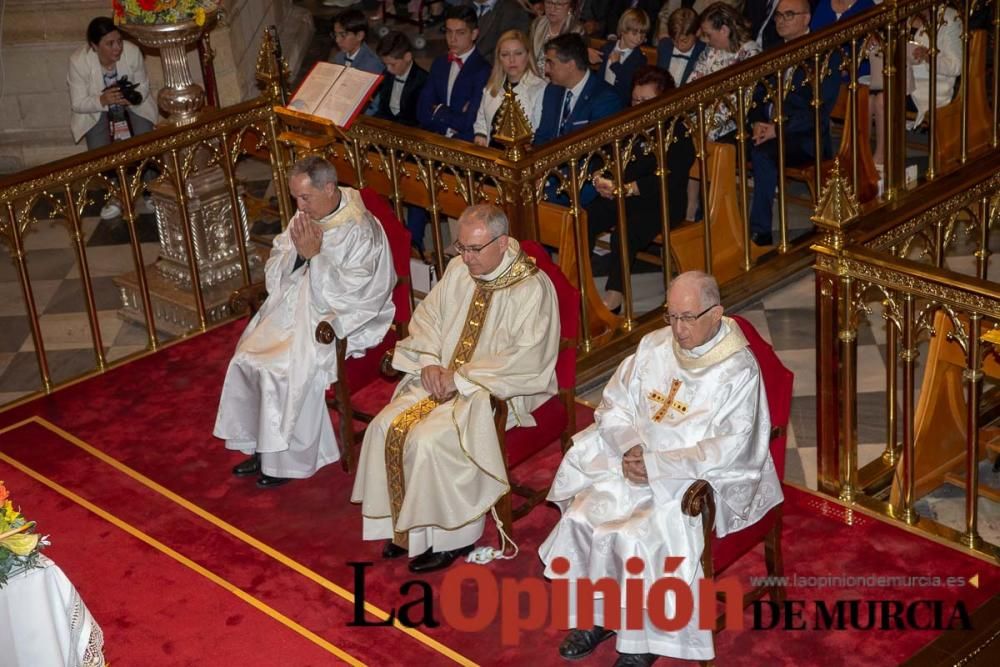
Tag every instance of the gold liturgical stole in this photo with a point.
(475, 318)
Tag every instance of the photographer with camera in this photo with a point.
(109, 92)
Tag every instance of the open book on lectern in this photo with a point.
(335, 92)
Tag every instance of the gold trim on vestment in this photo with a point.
(395, 441)
(732, 343)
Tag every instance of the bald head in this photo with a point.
(693, 308)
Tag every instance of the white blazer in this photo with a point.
(86, 82)
(528, 92)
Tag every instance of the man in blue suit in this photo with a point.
(574, 96)
(792, 20)
(450, 99)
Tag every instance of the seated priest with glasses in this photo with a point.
(332, 263)
(688, 405)
(431, 467)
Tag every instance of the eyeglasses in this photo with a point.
(473, 249)
(685, 319)
(787, 16)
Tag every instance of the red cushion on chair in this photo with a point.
(521, 442)
(778, 387)
(569, 312)
(399, 246)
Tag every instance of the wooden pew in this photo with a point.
(687, 243)
(939, 426)
(867, 174)
(948, 120)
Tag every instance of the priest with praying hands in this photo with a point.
(688, 405)
(431, 467)
(332, 263)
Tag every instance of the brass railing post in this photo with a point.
(81, 257)
(973, 376)
(848, 375)
(140, 270)
(29, 298)
(182, 208)
(580, 244)
(234, 201)
(622, 231)
(905, 511)
(661, 173)
(741, 167)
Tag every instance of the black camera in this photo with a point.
(129, 92)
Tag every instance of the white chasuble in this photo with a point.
(699, 414)
(273, 400)
(429, 471)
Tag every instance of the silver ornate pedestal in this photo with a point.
(210, 211)
(216, 252)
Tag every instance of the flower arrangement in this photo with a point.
(19, 544)
(162, 11)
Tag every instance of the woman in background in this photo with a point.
(512, 63)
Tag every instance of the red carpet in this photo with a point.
(155, 416)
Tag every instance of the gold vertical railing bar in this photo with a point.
(891, 454)
(140, 271)
(622, 231)
(963, 83)
(932, 54)
(848, 393)
(579, 244)
(397, 196)
(359, 165)
(852, 110)
(906, 511)
(242, 242)
(432, 184)
(188, 233)
(817, 104)
(779, 123)
(741, 168)
(278, 170)
(973, 376)
(29, 299)
(81, 258)
(706, 214)
(995, 142)
(661, 172)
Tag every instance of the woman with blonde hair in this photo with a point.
(512, 63)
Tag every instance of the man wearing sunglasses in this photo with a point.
(688, 405)
(431, 466)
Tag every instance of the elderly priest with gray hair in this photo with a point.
(331, 263)
(431, 466)
(688, 405)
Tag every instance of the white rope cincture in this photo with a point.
(484, 554)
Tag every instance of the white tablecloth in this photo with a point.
(44, 623)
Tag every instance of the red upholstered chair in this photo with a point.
(361, 391)
(556, 418)
(719, 554)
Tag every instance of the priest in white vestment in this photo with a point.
(688, 405)
(431, 467)
(332, 263)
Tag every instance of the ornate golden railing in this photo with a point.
(416, 168)
(923, 265)
(187, 289)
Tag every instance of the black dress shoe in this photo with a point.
(431, 561)
(249, 467)
(581, 643)
(761, 239)
(392, 550)
(268, 482)
(635, 659)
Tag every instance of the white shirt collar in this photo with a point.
(577, 90)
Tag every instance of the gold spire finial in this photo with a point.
(513, 129)
(272, 69)
(837, 204)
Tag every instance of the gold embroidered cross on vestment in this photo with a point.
(668, 402)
